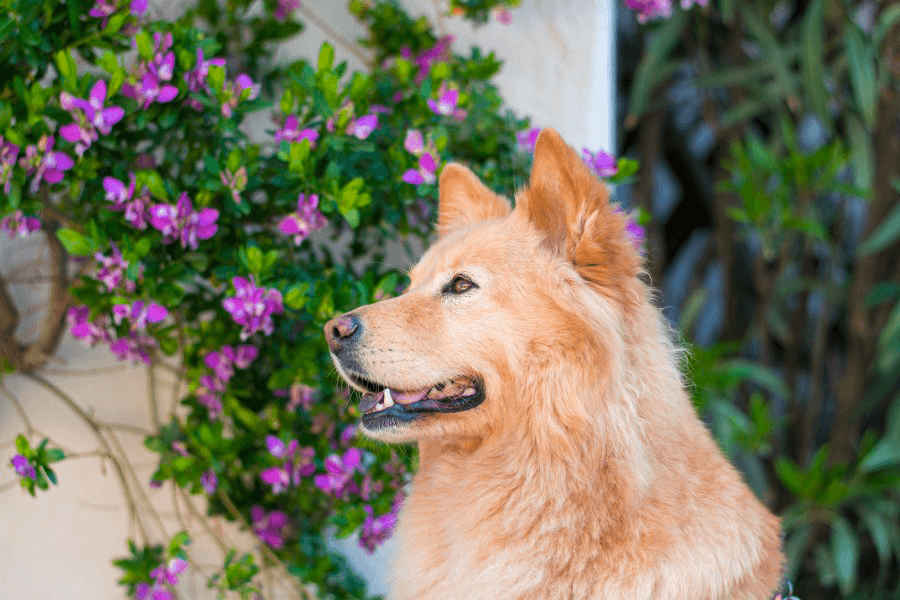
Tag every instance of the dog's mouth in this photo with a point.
(383, 406)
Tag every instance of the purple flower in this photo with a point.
(196, 77)
(426, 59)
(236, 182)
(18, 225)
(135, 347)
(601, 163)
(446, 103)
(139, 7)
(90, 116)
(84, 329)
(425, 173)
(253, 306)
(414, 142)
(269, 527)
(285, 8)
(243, 89)
(503, 16)
(223, 363)
(304, 220)
(148, 90)
(527, 139)
(362, 127)
(23, 467)
(338, 476)
(46, 164)
(376, 530)
(298, 463)
(135, 207)
(290, 132)
(300, 396)
(181, 222)
(102, 9)
(209, 481)
(110, 270)
(139, 313)
(9, 152)
(650, 9)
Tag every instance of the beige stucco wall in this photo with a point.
(59, 546)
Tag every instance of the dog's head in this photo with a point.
(505, 311)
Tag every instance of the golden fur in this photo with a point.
(586, 472)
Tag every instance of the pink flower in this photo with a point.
(110, 270)
(182, 222)
(503, 16)
(9, 152)
(23, 467)
(362, 127)
(304, 220)
(209, 481)
(290, 132)
(236, 182)
(196, 77)
(650, 9)
(84, 329)
(285, 8)
(376, 530)
(601, 163)
(253, 306)
(18, 225)
(528, 138)
(46, 164)
(300, 396)
(338, 476)
(425, 173)
(414, 143)
(269, 527)
(446, 102)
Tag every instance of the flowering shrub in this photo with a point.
(211, 252)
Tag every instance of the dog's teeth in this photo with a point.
(388, 399)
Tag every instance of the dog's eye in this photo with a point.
(459, 285)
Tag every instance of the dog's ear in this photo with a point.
(464, 200)
(571, 208)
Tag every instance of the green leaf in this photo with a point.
(55, 455)
(115, 23)
(860, 60)
(886, 452)
(886, 20)
(74, 242)
(648, 74)
(109, 63)
(745, 370)
(154, 183)
(181, 538)
(145, 46)
(296, 296)
(845, 554)
(863, 155)
(886, 233)
(51, 475)
(884, 291)
(22, 446)
(326, 57)
(880, 532)
(65, 64)
(812, 35)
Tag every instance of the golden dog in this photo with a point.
(560, 455)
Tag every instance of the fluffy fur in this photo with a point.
(585, 473)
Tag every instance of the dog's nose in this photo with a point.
(340, 331)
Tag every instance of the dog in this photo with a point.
(560, 456)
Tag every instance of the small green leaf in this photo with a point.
(154, 183)
(145, 46)
(296, 296)
(74, 242)
(51, 475)
(65, 64)
(886, 233)
(55, 455)
(326, 57)
(860, 60)
(22, 446)
(845, 554)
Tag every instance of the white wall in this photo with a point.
(558, 69)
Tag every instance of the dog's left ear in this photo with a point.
(464, 200)
(571, 208)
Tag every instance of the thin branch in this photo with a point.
(29, 429)
(92, 424)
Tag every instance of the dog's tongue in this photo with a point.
(408, 397)
(369, 401)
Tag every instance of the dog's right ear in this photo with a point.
(464, 200)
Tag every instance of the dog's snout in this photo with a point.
(341, 331)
